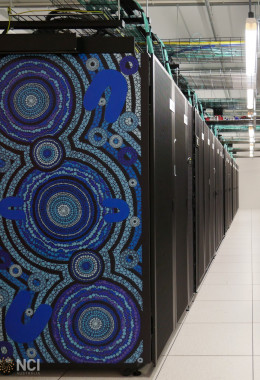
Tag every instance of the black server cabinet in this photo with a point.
(162, 161)
(219, 193)
(190, 204)
(75, 255)
(207, 193)
(183, 201)
(228, 190)
(199, 198)
(235, 188)
(212, 186)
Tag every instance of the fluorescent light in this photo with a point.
(251, 131)
(251, 43)
(252, 154)
(252, 140)
(250, 98)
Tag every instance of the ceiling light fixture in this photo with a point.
(252, 154)
(250, 99)
(251, 131)
(251, 57)
(251, 44)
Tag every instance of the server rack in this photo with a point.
(163, 237)
(183, 201)
(190, 199)
(200, 262)
(212, 185)
(219, 193)
(102, 293)
(207, 192)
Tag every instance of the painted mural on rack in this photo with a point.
(71, 208)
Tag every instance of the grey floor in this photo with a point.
(219, 338)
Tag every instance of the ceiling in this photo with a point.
(222, 79)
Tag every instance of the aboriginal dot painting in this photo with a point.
(71, 209)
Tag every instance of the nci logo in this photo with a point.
(23, 367)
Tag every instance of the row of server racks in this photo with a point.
(114, 197)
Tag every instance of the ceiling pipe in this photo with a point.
(227, 93)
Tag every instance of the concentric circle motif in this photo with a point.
(129, 65)
(86, 266)
(4, 297)
(129, 121)
(47, 154)
(29, 312)
(92, 64)
(129, 259)
(37, 97)
(97, 136)
(64, 211)
(127, 156)
(135, 221)
(31, 353)
(15, 270)
(116, 141)
(98, 323)
(5, 163)
(102, 102)
(36, 282)
(132, 182)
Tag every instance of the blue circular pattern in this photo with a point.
(97, 323)
(32, 100)
(15, 270)
(31, 353)
(37, 97)
(64, 211)
(124, 154)
(92, 64)
(132, 182)
(36, 282)
(47, 153)
(116, 141)
(129, 259)
(97, 137)
(129, 121)
(86, 266)
(131, 61)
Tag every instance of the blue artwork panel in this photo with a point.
(72, 255)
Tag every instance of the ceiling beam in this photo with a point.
(195, 3)
(155, 3)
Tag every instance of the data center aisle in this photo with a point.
(220, 336)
